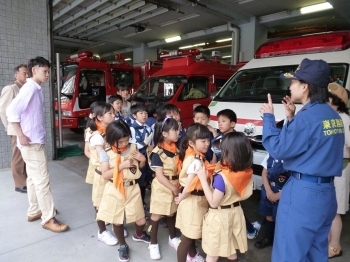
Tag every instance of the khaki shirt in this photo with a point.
(8, 93)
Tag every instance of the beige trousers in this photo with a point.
(38, 187)
(18, 166)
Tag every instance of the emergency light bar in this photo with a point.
(179, 53)
(318, 43)
(85, 54)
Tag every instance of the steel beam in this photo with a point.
(155, 13)
(81, 13)
(96, 15)
(67, 8)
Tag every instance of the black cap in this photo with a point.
(315, 72)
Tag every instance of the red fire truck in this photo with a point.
(86, 79)
(186, 81)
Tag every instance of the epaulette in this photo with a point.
(198, 156)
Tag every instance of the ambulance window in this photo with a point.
(220, 83)
(195, 88)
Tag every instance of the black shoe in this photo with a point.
(144, 238)
(21, 189)
(262, 243)
(123, 253)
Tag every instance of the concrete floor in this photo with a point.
(24, 241)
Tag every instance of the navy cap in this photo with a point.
(315, 72)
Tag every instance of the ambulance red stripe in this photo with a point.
(242, 121)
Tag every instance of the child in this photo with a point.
(142, 136)
(103, 115)
(224, 224)
(122, 90)
(117, 102)
(121, 198)
(192, 202)
(87, 134)
(227, 121)
(201, 115)
(166, 164)
(134, 101)
(174, 112)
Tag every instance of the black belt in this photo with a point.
(312, 179)
(172, 177)
(235, 204)
(127, 183)
(194, 192)
(98, 171)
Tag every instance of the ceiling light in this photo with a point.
(275, 16)
(240, 2)
(186, 47)
(127, 59)
(226, 56)
(172, 39)
(315, 8)
(223, 40)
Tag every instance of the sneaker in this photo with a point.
(196, 258)
(174, 242)
(107, 238)
(123, 253)
(55, 226)
(257, 227)
(154, 251)
(125, 233)
(144, 238)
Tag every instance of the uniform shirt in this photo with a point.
(27, 108)
(156, 161)
(311, 143)
(8, 93)
(141, 145)
(119, 116)
(96, 140)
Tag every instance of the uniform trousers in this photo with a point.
(304, 217)
(38, 186)
(18, 166)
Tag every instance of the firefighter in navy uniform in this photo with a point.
(311, 146)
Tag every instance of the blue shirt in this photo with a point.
(311, 143)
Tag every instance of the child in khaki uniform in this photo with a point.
(224, 225)
(122, 197)
(103, 115)
(87, 134)
(192, 202)
(165, 163)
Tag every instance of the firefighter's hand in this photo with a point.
(267, 107)
(289, 107)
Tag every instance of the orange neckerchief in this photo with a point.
(100, 127)
(196, 183)
(118, 174)
(172, 148)
(239, 180)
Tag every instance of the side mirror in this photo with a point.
(212, 95)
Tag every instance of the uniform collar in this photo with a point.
(18, 84)
(31, 81)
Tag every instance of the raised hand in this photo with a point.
(267, 107)
(289, 107)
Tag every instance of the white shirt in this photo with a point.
(27, 108)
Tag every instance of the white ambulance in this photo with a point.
(247, 89)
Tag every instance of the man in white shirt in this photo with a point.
(8, 93)
(26, 114)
